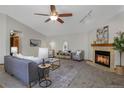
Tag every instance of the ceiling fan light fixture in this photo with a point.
(53, 17)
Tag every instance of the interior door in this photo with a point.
(14, 42)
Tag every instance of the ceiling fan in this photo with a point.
(54, 15)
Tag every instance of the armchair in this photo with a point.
(78, 55)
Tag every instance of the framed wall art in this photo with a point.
(35, 43)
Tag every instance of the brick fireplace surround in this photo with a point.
(103, 47)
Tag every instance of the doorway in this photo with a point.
(15, 42)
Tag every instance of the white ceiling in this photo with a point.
(25, 14)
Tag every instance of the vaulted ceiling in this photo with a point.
(25, 14)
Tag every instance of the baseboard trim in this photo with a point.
(88, 60)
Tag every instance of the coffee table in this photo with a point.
(55, 63)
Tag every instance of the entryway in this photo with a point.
(15, 42)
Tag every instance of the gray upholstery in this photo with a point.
(23, 69)
(78, 56)
(63, 54)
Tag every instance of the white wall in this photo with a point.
(2, 37)
(6, 25)
(75, 42)
(27, 34)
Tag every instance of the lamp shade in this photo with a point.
(14, 50)
(43, 53)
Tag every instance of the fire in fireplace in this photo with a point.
(102, 58)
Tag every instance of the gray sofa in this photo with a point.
(23, 69)
(78, 55)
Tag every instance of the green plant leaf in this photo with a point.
(119, 43)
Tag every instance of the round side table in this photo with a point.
(45, 81)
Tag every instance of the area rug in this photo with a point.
(71, 74)
(61, 77)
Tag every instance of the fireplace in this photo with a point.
(102, 58)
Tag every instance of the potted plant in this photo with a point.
(119, 45)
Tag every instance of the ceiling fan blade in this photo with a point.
(47, 20)
(53, 8)
(60, 20)
(65, 15)
(41, 14)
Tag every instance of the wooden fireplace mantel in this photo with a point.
(102, 45)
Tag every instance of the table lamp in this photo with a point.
(43, 54)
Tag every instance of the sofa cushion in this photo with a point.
(19, 55)
(36, 59)
(32, 58)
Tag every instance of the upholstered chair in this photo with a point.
(78, 55)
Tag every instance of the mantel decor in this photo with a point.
(102, 35)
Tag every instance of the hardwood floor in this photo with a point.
(1, 67)
(71, 74)
(1, 86)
